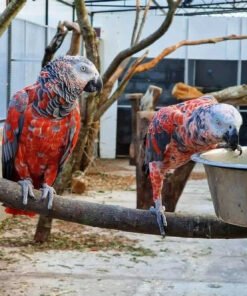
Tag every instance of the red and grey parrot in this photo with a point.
(178, 131)
(43, 123)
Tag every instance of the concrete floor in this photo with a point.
(194, 267)
(181, 267)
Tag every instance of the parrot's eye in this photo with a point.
(83, 68)
(230, 127)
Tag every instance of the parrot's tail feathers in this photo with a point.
(19, 212)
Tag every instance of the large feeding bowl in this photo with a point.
(227, 178)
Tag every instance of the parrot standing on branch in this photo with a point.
(178, 131)
(43, 124)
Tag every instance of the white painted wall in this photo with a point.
(34, 11)
(109, 48)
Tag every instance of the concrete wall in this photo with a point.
(116, 35)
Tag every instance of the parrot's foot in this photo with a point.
(239, 148)
(159, 211)
(48, 192)
(27, 190)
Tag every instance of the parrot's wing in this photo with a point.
(72, 139)
(12, 130)
(156, 144)
(160, 132)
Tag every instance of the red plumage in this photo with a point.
(42, 125)
(177, 132)
(42, 142)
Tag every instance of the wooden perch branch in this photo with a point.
(136, 34)
(120, 88)
(234, 95)
(9, 13)
(75, 43)
(144, 42)
(169, 50)
(120, 218)
(88, 33)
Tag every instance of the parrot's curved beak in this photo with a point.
(94, 85)
(231, 139)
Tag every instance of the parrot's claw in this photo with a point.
(159, 211)
(239, 148)
(48, 192)
(27, 190)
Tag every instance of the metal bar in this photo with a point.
(222, 11)
(186, 60)
(46, 21)
(65, 3)
(26, 60)
(239, 69)
(9, 54)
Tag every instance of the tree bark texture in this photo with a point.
(119, 218)
(143, 183)
(174, 185)
(135, 107)
(9, 14)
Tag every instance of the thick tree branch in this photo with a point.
(55, 43)
(88, 32)
(234, 95)
(144, 42)
(75, 43)
(169, 50)
(121, 87)
(136, 34)
(120, 218)
(9, 13)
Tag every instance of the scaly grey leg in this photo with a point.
(159, 211)
(48, 192)
(27, 189)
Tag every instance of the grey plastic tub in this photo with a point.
(227, 179)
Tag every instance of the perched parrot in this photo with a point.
(43, 123)
(178, 131)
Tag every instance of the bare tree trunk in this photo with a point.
(120, 218)
(143, 184)
(9, 14)
(135, 107)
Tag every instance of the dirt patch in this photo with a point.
(111, 175)
(18, 233)
(109, 182)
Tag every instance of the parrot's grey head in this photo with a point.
(223, 122)
(69, 76)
